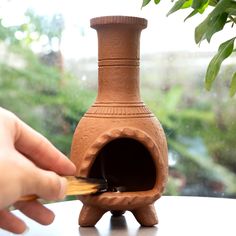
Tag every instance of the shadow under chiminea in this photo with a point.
(126, 165)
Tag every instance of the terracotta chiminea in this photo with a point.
(119, 139)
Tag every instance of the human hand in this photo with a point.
(29, 164)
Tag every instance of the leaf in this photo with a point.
(202, 29)
(218, 24)
(213, 2)
(222, 6)
(232, 89)
(157, 1)
(203, 8)
(224, 51)
(194, 12)
(178, 5)
(187, 4)
(198, 4)
(232, 8)
(145, 2)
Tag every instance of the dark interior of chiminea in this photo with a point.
(126, 165)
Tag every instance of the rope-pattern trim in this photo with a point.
(125, 199)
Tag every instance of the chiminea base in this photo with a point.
(90, 215)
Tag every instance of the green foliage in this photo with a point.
(203, 31)
(180, 4)
(207, 167)
(157, 1)
(214, 22)
(224, 11)
(199, 4)
(48, 101)
(224, 51)
(233, 85)
(145, 2)
(7, 34)
(190, 126)
(36, 27)
(51, 26)
(172, 187)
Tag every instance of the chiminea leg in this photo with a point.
(90, 215)
(146, 216)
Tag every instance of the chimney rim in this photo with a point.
(118, 19)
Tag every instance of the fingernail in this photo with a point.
(26, 231)
(62, 193)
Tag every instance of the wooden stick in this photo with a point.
(77, 186)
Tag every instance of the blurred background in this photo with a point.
(48, 77)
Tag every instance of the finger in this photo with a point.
(34, 180)
(7, 127)
(11, 223)
(45, 184)
(36, 211)
(38, 149)
(50, 186)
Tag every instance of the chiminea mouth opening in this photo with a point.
(126, 164)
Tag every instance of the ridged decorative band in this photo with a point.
(118, 62)
(120, 111)
(129, 20)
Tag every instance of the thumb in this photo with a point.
(48, 185)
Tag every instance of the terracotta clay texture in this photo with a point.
(119, 139)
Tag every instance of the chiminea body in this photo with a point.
(119, 139)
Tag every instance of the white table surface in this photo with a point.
(178, 216)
